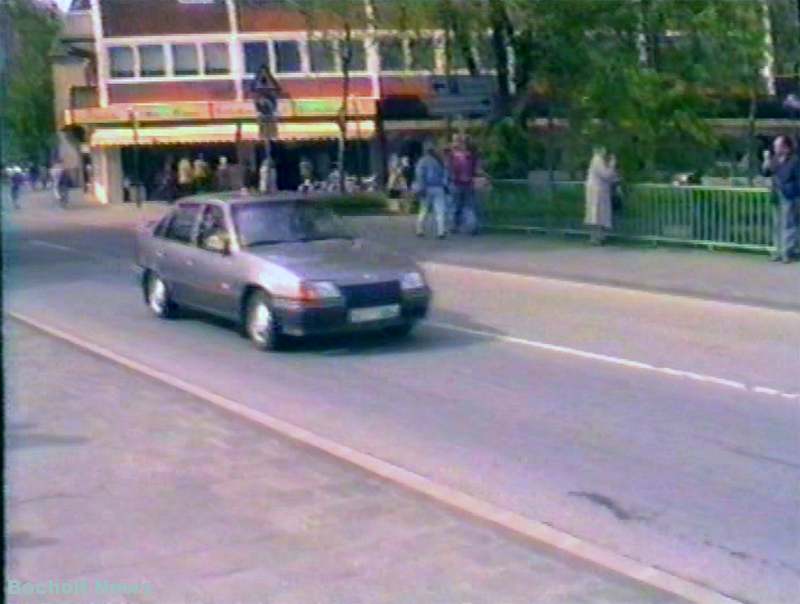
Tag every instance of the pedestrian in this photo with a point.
(223, 176)
(200, 174)
(600, 181)
(306, 175)
(33, 176)
(464, 169)
(56, 176)
(396, 184)
(267, 177)
(63, 185)
(185, 176)
(17, 180)
(430, 185)
(784, 167)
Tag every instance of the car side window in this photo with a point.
(213, 223)
(161, 227)
(181, 227)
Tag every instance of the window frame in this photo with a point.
(134, 57)
(164, 61)
(302, 60)
(403, 48)
(198, 73)
(195, 223)
(335, 55)
(204, 63)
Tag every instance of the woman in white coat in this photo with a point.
(600, 181)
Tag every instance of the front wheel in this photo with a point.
(400, 331)
(158, 298)
(260, 323)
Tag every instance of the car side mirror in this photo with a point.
(218, 242)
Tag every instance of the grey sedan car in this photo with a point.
(280, 266)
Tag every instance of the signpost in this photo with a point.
(265, 97)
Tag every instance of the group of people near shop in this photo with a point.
(446, 182)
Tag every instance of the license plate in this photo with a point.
(374, 313)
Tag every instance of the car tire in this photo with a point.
(158, 298)
(260, 324)
(400, 331)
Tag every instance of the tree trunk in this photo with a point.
(500, 46)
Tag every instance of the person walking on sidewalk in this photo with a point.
(185, 175)
(17, 180)
(464, 167)
(784, 168)
(600, 181)
(430, 185)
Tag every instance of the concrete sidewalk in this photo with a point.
(118, 482)
(740, 277)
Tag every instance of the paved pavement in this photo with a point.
(660, 427)
(113, 478)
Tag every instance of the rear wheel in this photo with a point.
(158, 298)
(260, 323)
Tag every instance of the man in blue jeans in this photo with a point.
(463, 167)
(430, 185)
(784, 168)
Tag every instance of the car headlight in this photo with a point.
(319, 290)
(413, 280)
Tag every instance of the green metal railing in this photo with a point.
(724, 217)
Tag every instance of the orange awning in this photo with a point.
(226, 133)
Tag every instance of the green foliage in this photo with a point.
(28, 111)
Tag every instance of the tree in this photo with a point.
(28, 108)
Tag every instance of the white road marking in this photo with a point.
(53, 246)
(604, 358)
(532, 530)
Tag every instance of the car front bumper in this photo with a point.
(303, 320)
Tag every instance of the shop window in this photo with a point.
(151, 61)
(423, 54)
(256, 54)
(322, 54)
(184, 60)
(391, 54)
(121, 62)
(287, 56)
(216, 58)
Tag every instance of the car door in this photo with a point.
(177, 249)
(210, 272)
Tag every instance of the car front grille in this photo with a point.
(371, 294)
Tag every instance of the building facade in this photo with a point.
(144, 83)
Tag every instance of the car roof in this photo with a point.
(236, 198)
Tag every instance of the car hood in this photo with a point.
(336, 260)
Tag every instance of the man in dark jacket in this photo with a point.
(784, 167)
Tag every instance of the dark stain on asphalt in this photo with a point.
(603, 501)
(24, 540)
(32, 440)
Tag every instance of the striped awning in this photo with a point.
(226, 133)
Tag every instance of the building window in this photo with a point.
(458, 59)
(256, 54)
(216, 58)
(287, 56)
(391, 54)
(184, 60)
(322, 54)
(359, 61)
(423, 54)
(151, 61)
(121, 62)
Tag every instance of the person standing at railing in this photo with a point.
(784, 167)
(431, 180)
(601, 179)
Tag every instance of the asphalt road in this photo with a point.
(664, 428)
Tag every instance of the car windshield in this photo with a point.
(271, 222)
